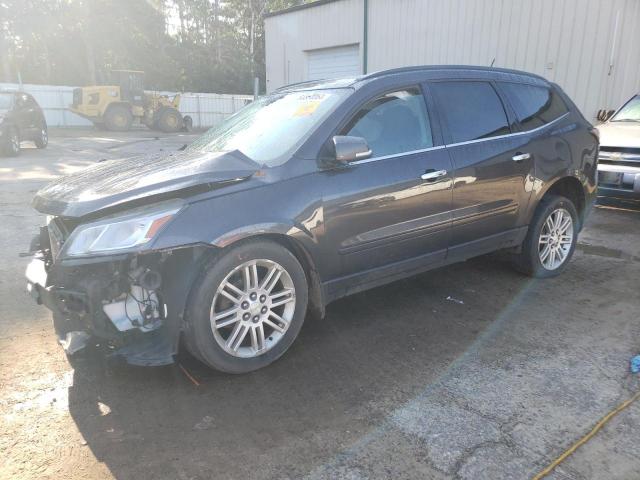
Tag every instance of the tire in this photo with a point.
(169, 120)
(542, 246)
(187, 123)
(222, 348)
(12, 147)
(42, 140)
(118, 118)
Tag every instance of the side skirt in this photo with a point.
(358, 282)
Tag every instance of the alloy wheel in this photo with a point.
(44, 136)
(14, 142)
(253, 308)
(556, 239)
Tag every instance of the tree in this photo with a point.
(193, 45)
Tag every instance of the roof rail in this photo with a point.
(425, 68)
(297, 84)
(416, 68)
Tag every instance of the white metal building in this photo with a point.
(589, 47)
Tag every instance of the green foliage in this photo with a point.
(190, 45)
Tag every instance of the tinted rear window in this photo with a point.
(471, 110)
(534, 106)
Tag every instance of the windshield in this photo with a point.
(630, 112)
(5, 101)
(271, 128)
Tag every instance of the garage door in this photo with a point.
(334, 62)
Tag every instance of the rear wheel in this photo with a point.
(169, 120)
(42, 139)
(551, 239)
(247, 307)
(187, 123)
(118, 118)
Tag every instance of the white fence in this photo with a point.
(206, 109)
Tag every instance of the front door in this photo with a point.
(392, 210)
(493, 168)
(27, 115)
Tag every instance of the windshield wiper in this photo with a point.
(627, 120)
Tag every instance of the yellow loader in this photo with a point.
(118, 106)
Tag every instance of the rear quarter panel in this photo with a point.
(567, 149)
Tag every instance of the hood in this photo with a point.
(116, 182)
(620, 134)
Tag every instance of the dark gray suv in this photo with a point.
(314, 192)
(21, 118)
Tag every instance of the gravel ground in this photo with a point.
(397, 382)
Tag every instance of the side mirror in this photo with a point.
(349, 149)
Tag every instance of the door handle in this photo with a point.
(433, 174)
(519, 157)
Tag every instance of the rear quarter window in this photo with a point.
(534, 106)
(471, 110)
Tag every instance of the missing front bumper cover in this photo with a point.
(129, 323)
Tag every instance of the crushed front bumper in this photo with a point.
(77, 295)
(619, 181)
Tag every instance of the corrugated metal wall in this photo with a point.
(589, 47)
(210, 109)
(206, 109)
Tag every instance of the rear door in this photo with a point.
(493, 174)
(395, 206)
(535, 108)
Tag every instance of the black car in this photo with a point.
(21, 119)
(314, 192)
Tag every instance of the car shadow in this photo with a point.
(372, 353)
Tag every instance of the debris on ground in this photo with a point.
(188, 375)
(205, 424)
(451, 299)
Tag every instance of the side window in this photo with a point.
(534, 106)
(471, 110)
(393, 123)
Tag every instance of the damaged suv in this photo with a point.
(309, 194)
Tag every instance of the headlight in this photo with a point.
(122, 232)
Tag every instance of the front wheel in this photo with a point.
(551, 239)
(12, 147)
(247, 307)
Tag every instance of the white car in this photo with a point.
(619, 160)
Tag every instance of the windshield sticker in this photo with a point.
(307, 109)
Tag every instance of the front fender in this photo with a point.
(292, 208)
